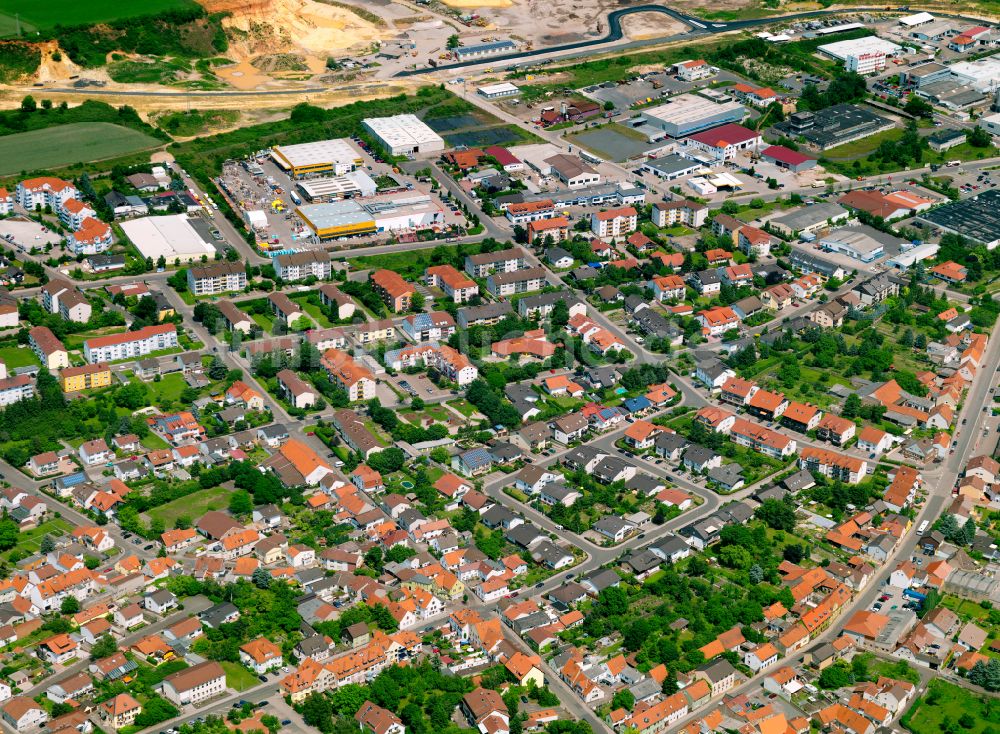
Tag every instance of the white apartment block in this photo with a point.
(131, 344)
(512, 283)
(195, 684)
(45, 191)
(220, 277)
(72, 212)
(502, 261)
(14, 389)
(300, 265)
(614, 222)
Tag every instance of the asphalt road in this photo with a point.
(699, 28)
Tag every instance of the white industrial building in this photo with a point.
(404, 134)
(336, 156)
(991, 123)
(495, 91)
(686, 114)
(171, 236)
(348, 217)
(983, 75)
(908, 258)
(912, 21)
(858, 47)
(866, 63)
(348, 186)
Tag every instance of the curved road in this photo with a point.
(699, 27)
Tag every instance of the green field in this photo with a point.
(65, 145)
(15, 356)
(29, 541)
(193, 505)
(944, 704)
(238, 678)
(43, 16)
(169, 388)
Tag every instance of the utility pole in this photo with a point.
(17, 20)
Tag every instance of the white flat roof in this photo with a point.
(857, 46)
(503, 87)
(319, 152)
(685, 108)
(333, 185)
(981, 74)
(402, 130)
(916, 19)
(171, 236)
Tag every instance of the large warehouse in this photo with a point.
(171, 236)
(842, 50)
(336, 156)
(686, 114)
(348, 186)
(977, 218)
(404, 134)
(349, 218)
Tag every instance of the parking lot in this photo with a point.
(419, 386)
(26, 234)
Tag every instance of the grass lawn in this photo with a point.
(862, 147)
(169, 388)
(316, 313)
(15, 356)
(945, 703)
(42, 16)
(30, 541)
(152, 441)
(64, 145)
(464, 407)
(237, 677)
(193, 505)
(264, 321)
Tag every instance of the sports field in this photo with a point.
(63, 145)
(40, 16)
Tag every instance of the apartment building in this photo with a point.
(236, 319)
(395, 292)
(301, 265)
(73, 306)
(87, 377)
(16, 388)
(433, 326)
(527, 212)
(92, 237)
(45, 191)
(614, 222)
(455, 285)
(833, 465)
(195, 684)
(348, 374)
(284, 308)
(753, 241)
(49, 349)
(298, 391)
(520, 281)
(219, 277)
(672, 213)
(336, 300)
(768, 442)
(131, 344)
(501, 261)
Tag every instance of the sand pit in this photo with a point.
(641, 26)
(243, 76)
(278, 26)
